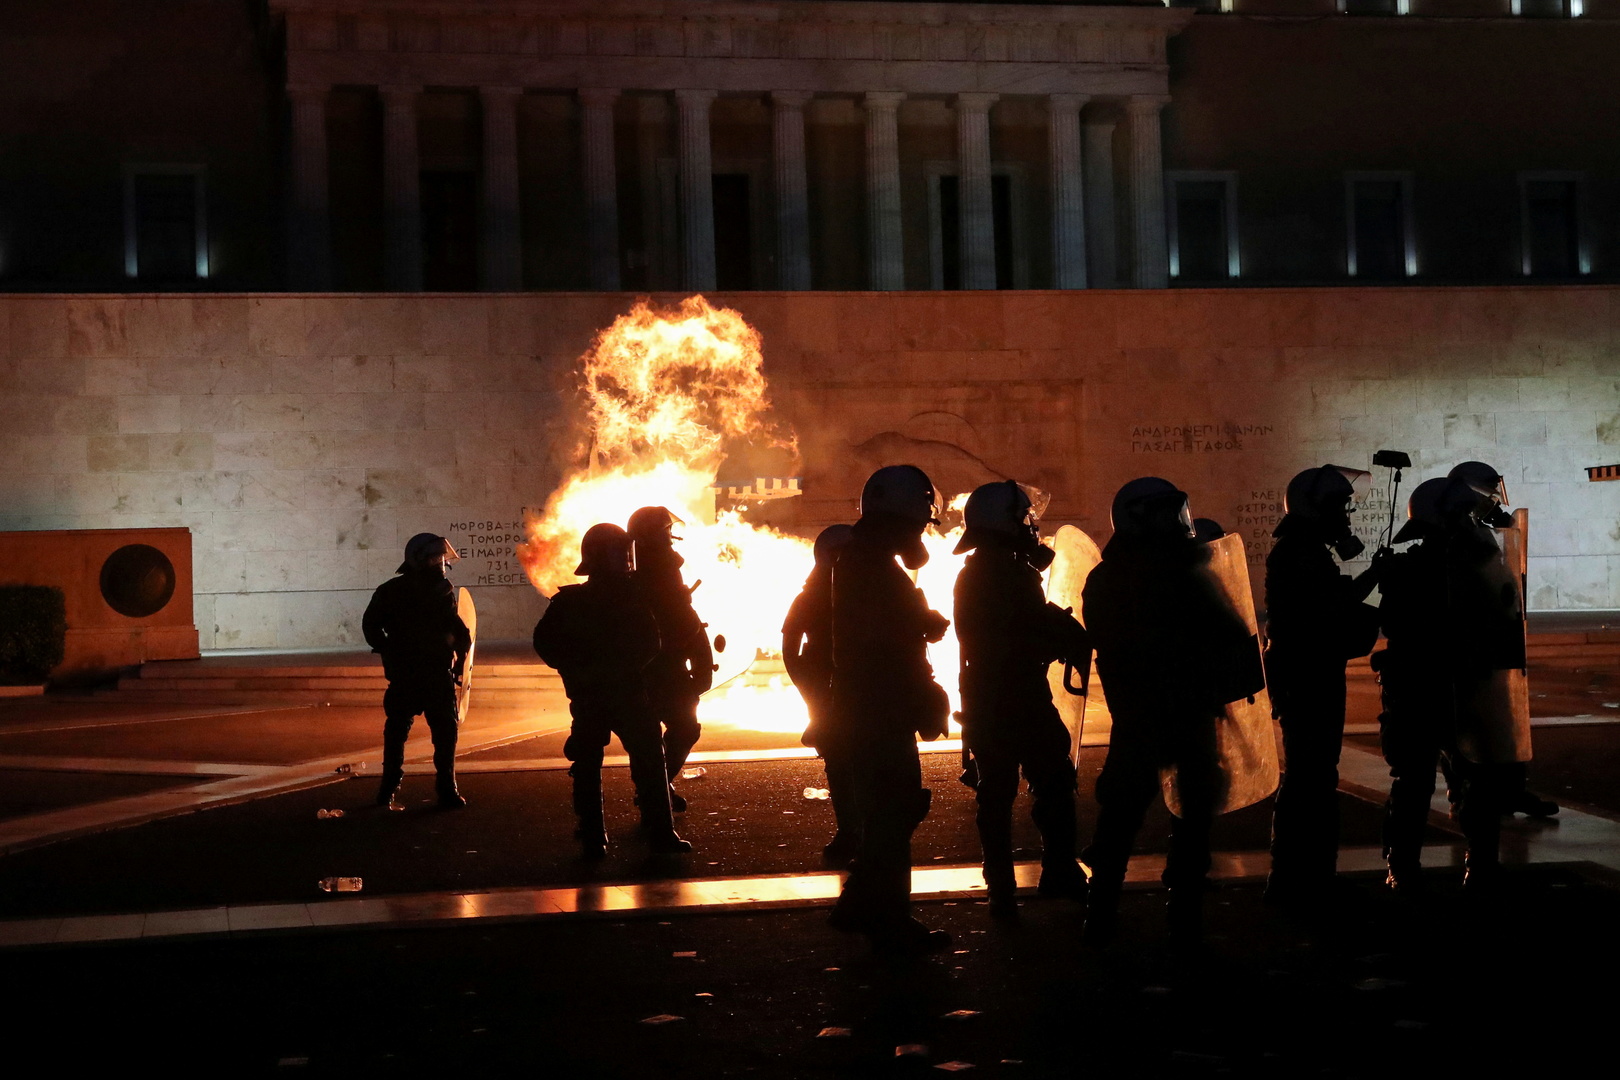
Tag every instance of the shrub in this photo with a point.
(33, 627)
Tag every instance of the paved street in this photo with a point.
(165, 857)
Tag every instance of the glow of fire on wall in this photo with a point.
(666, 393)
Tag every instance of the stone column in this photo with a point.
(978, 226)
(309, 240)
(1101, 245)
(792, 196)
(1068, 191)
(1150, 257)
(503, 240)
(885, 246)
(697, 188)
(601, 188)
(402, 188)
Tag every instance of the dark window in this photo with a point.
(1552, 227)
(1543, 9)
(1201, 240)
(1198, 5)
(1370, 7)
(165, 227)
(950, 230)
(449, 231)
(1379, 211)
(733, 233)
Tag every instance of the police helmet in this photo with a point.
(423, 548)
(830, 541)
(1149, 505)
(1323, 493)
(1004, 509)
(1483, 479)
(1423, 513)
(604, 549)
(653, 525)
(902, 491)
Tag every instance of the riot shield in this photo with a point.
(469, 615)
(1245, 741)
(1077, 553)
(1493, 722)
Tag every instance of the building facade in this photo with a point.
(366, 145)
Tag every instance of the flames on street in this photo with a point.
(668, 393)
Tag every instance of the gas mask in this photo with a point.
(913, 553)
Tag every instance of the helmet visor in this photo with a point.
(1038, 502)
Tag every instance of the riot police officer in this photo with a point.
(601, 637)
(412, 622)
(1316, 622)
(1009, 635)
(1166, 645)
(1417, 726)
(683, 670)
(807, 655)
(884, 696)
(1488, 484)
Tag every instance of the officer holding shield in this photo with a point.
(884, 696)
(1167, 646)
(807, 655)
(412, 622)
(1009, 635)
(683, 670)
(1316, 622)
(601, 637)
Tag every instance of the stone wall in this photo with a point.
(302, 439)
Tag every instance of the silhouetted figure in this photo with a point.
(412, 622)
(1418, 723)
(1316, 622)
(1009, 635)
(1166, 641)
(1450, 625)
(1486, 482)
(1207, 530)
(602, 638)
(683, 670)
(884, 696)
(807, 655)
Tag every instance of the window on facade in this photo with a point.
(1377, 245)
(1551, 228)
(950, 226)
(733, 232)
(1201, 246)
(449, 231)
(164, 241)
(1547, 9)
(1372, 7)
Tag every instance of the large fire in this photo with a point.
(668, 393)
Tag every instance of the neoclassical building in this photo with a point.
(722, 132)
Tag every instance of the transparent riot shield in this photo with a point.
(1245, 740)
(1493, 723)
(1077, 553)
(469, 615)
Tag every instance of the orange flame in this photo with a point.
(667, 392)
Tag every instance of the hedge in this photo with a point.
(33, 626)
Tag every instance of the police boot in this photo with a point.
(450, 798)
(1061, 875)
(388, 787)
(677, 801)
(995, 839)
(590, 830)
(1405, 877)
(1530, 804)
